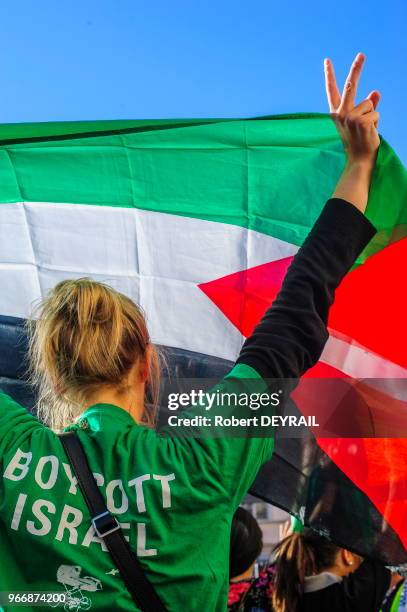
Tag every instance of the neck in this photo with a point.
(131, 400)
(335, 570)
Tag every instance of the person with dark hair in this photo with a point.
(246, 543)
(247, 592)
(315, 575)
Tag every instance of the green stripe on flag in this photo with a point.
(268, 174)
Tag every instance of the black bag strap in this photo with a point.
(107, 527)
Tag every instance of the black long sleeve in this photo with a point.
(292, 334)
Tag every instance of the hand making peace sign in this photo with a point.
(357, 125)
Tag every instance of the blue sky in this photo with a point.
(114, 59)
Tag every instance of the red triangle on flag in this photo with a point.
(370, 304)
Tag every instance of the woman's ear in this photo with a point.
(140, 371)
(351, 560)
(347, 557)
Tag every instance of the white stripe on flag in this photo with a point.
(358, 362)
(157, 259)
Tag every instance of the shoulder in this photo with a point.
(18, 425)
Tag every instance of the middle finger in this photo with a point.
(351, 84)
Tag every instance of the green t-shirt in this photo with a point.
(174, 497)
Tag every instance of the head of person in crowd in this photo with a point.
(90, 344)
(246, 543)
(305, 554)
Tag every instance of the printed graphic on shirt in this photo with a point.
(70, 577)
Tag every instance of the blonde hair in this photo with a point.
(85, 334)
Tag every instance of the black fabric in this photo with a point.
(140, 588)
(13, 362)
(301, 479)
(361, 591)
(292, 334)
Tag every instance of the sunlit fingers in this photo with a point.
(332, 91)
(351, 83)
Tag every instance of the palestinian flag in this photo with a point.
(197, 221)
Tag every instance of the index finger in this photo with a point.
(351, 83)
(332, 91)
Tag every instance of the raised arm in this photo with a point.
(293, 332)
